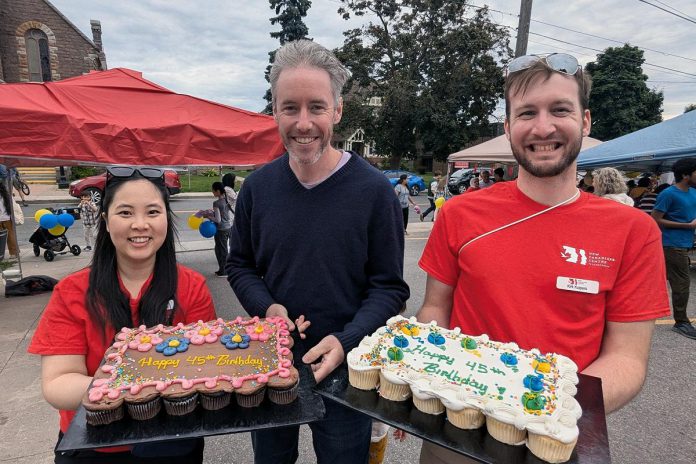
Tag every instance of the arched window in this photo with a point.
(38, 58)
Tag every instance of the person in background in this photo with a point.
(610, 183)
(6, 220)
(675, 213)
(642, 187)
(404, 196)
(89, 213)
(499, 175)
(223, 222)
(474, 185)
(486, 180)
(541, 222)
(432, 191)
(649, 198)
(318, 233)
(133, 279)
(15, 178)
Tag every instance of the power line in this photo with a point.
(666, 10)
(671, 7)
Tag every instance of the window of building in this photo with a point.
(38, 58)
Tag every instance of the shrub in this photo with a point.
(79, 172)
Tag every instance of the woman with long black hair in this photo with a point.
(134, 279)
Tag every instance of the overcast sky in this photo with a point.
(218, 49)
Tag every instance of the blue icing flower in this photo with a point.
(168, 351)
(401, 341)
(436, 338)
(508, 359)
(172, 345)
(160, 347)
(230, 344)
(534, 382)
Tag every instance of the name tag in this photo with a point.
(577, 285)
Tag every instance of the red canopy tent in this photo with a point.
(117, 117)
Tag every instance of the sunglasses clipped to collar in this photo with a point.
(560, 62)
(124, 172)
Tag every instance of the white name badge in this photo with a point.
(577, 285)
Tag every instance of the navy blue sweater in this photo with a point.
(333, 253)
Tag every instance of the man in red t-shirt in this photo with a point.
(578, 275)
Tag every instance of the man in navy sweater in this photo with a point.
(318, 234)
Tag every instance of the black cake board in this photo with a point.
(592, 446)
(308, 407)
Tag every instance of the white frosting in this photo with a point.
(436, 365)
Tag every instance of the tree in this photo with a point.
(437, 66)
(620, 101)
(690, 107)
(289, 16)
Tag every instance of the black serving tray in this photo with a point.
(308, 407)
(592, 446)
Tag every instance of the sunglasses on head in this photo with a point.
(559, 62)
(128, 171)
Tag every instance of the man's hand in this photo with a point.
(278, 310)
(329, 354)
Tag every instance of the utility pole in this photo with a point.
(523, 27)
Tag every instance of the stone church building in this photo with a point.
(39, 44)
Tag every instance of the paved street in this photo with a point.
(659, 426)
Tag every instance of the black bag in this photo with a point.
(31, 285)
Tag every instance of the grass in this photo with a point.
(5, 265)
(201, 183)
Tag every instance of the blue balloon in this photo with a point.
(207, 229)
(48, 221)
(66, 220)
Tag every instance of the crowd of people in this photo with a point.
(317, 237)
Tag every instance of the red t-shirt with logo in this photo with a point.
(506, 284)
(66, 329)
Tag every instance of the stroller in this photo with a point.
(54, 244)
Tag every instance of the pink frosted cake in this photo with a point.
(178, 366)
(522, 396)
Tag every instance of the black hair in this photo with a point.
(661, 187)
(644, 182)
(218, 187)
(631, 183)
(228, 180)
(106, 303)
(499, 171)
(683, 167)
(6, 198)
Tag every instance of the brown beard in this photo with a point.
(572, 151)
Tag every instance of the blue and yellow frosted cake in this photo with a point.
(522, 396)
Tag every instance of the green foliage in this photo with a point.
(210, 173)
(437, 66)
(621, 102)
(690, 107)
(289, 14)
(202, 183)
(80, 172)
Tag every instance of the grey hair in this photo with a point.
(608, 181)
(307, 53)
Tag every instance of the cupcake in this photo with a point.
(426, 402)
(285, 396)
(391, 390)
(549, 449)
(215, 400)
(466, 418)
(182, 405)
(506, 433)
(104, 416)
(251, 399)
(367, 379)
(144, 410)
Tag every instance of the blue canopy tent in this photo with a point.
(653, 148)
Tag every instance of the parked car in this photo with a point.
(94, 185)
(459, 180)
(416, 184)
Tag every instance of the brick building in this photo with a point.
(38, 43)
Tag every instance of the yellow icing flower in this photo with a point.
(541, 365)
(410, 329)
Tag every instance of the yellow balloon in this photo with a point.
(439, 202)
(195, 222)
(57, 230)
(39, 213)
